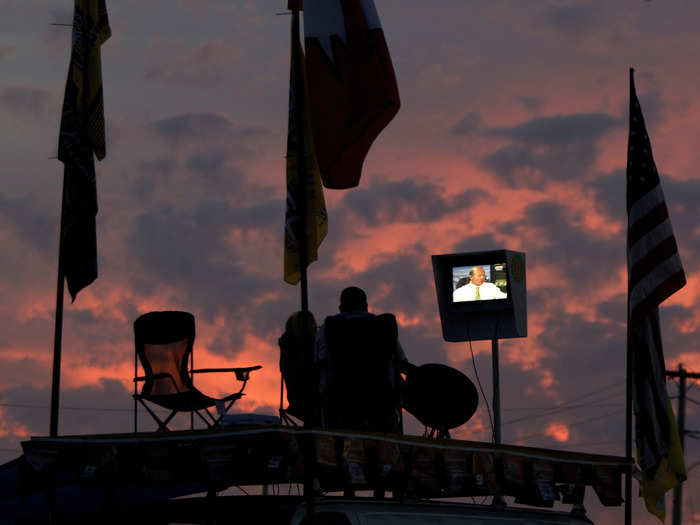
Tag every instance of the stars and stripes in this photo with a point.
(655, 270)
(654, 274)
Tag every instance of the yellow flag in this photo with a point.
(81, 135)
(671, 473)
(315, 224)
(83, 118)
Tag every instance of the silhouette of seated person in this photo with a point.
(360, 360)
(298, 368)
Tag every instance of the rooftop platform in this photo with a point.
(413, 467)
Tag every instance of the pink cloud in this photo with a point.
(559, 431)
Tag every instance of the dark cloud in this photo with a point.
(208, 64)
(614, 309)
(593, 349)
(386, 202)
(561, 129)
(543, 149)
(653, 108)
(681, 196)
(104, 407)
(516, 165)
(401, 201)
(192, 251)
(24, 100)
(575, 19)
(477, 243)
(30, 223)
(194, 126)
(676, 339)
(6, 51)
(208, 162)
(581, 255)
(529, 102)
(468, 125)
(407, 275)
(610, 193)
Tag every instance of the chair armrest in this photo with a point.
(153, 376)
(242, 373)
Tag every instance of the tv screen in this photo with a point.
(481, 295)
(479, 282)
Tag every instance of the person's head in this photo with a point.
(353, 299)
(477, 275)
(295, 324)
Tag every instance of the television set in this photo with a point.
(481, 295)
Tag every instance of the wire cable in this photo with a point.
(93, 409)
(576, 423)
(567, 405)
(486, 401)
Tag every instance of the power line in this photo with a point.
(567, 405)
(93, 409)
(594, 443)
(576, 423)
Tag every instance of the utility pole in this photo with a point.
(682, 374)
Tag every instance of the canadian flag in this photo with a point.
(351, 85)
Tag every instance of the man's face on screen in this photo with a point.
(478, 276)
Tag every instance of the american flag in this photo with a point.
(654, 274)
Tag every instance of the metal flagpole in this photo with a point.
(302, 204)
(628, 430)
(628, 402)
(58, 329)
(496, 393)
(302, 234)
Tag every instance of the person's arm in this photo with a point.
(401, 361)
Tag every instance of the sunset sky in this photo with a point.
(511, 134)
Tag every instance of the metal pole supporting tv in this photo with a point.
(496, 393)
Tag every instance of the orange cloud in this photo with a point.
(12, 429)
(559, 431)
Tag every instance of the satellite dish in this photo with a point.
(440, 396)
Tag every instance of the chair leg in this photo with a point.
(217, 420)
(167, 420)
(162, 425)
(206, 421)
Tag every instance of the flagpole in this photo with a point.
(628, 431)
(628, 392)
(302, 235)
(299, 103)
(58, 329)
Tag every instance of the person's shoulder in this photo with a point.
(460, 292)
(354, 315)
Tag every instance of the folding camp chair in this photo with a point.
(362, 389)
(164, 342)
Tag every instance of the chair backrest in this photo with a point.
(164, 342)
(362, 377)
